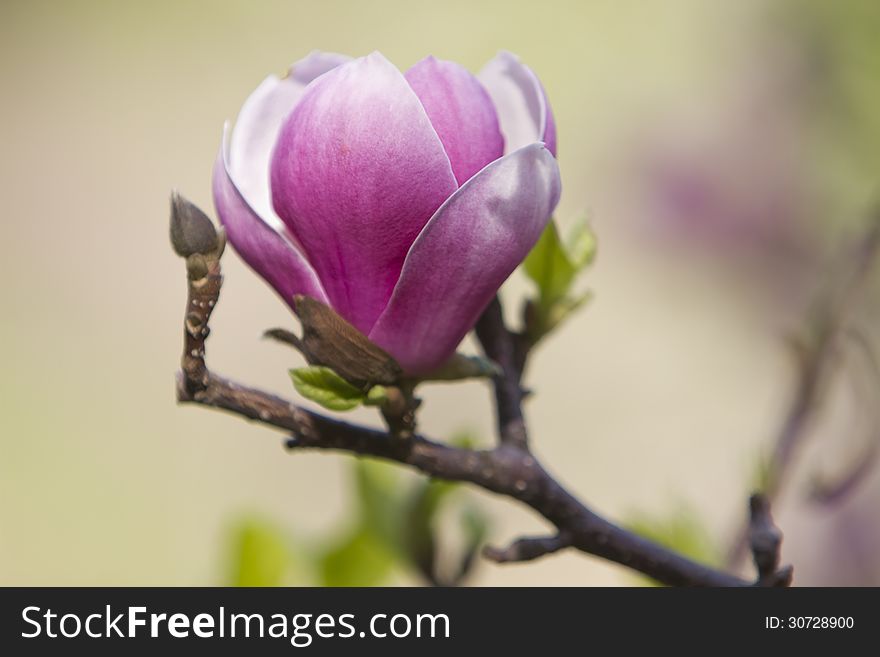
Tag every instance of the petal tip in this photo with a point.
(315, 64)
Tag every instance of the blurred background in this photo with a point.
(726, 155)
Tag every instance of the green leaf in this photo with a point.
(359, 559)
(378, 493)
(420, 543)
(548, 265)
(367, 554)
(475, 524)
(261, 555)
(376, 396)
(582, 245)
(553, 266)
(324, 386)
(557, 313)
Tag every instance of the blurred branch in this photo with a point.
(829, 490)
(825, 491)
(816, 363)
(830, 324)
(508, 469)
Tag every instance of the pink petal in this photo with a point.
(461, 112)
(257, 126)
(357, 172)
(267, 251)
(523, 110)
(464, 254)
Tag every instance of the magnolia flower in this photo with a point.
(403, 201)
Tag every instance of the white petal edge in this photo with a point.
(519, 100)
(299, 260)
(257, 126)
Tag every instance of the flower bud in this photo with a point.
(192, 232)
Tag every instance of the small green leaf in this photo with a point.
(260, 555)
(475, 524)
(368, 552)
(359, 559)
(324, 386)
(419, 541)
(548, 265)
(582, 246)
(476, 527)
(377, 489)
(553, 267)
(559, 311)
(376, 396)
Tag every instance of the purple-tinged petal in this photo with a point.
(464, 254)
(267, 251)
(549, 125)
(257, 126)
(523, 110)
(461, 112)
(357, 172)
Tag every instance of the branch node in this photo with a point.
(528, 548)
(765, 539)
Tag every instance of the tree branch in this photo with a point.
(528, 548)
(510, 351)
(508, 469)
(816, 364)
(504, 470)
(765, 540)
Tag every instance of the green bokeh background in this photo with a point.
(663, 389)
